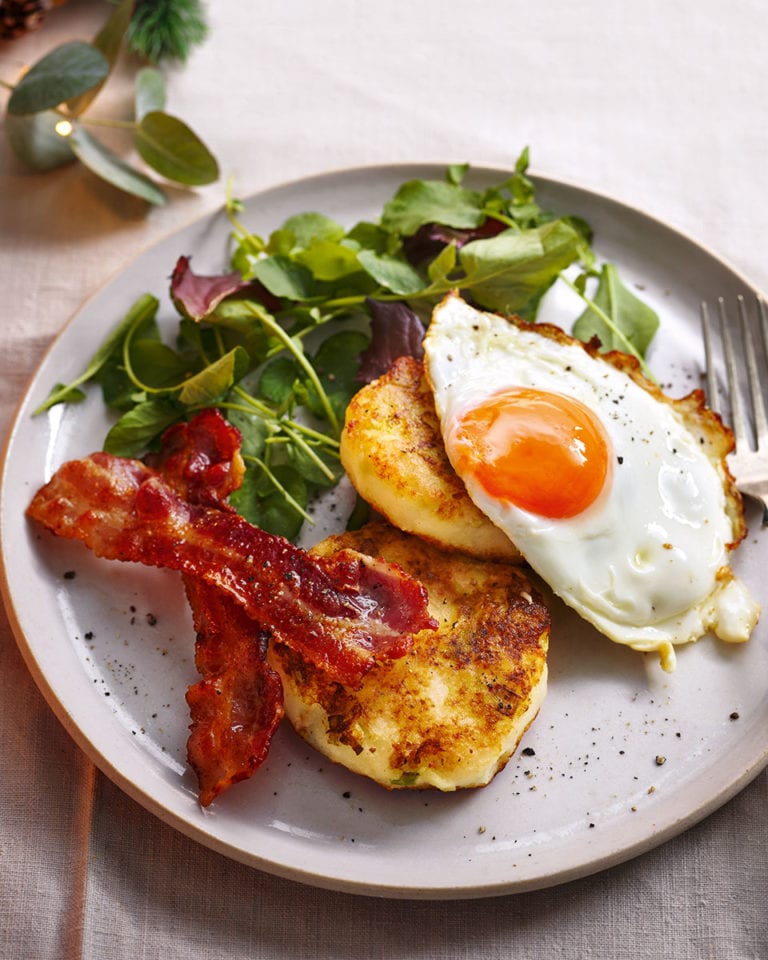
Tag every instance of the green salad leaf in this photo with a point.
(419, 202)
(506, 271)
(619, 319)
(143, 312)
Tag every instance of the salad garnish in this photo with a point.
(282, 340)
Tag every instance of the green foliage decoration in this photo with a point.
(47, 124)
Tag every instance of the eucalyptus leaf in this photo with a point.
(112, 168)
(108, 41)
(150, 92)
(168, 145)
(34, 140)
(64, 73)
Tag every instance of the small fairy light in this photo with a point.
(63, 128)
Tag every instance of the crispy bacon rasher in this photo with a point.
(237, 706)
(201, 459)
(342, 613)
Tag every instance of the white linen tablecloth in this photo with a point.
(662, 105)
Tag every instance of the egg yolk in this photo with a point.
(544, 452)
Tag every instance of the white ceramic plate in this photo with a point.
(111, 645)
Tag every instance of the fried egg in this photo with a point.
(617, 496)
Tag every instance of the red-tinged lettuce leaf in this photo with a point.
(396, 331)
(431, 238)
(195, 295)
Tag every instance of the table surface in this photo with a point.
(660, 105)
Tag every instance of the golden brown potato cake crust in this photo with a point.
(451, 712)
(393, 453)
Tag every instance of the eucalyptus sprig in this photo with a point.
(48, 125)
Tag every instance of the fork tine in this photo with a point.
(755, 388)
(763, 314)
(749, 463)
(762, 319)
(738, 422)
(709, 361)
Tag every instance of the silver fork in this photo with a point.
(749, 461)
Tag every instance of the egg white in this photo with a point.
(647, 562)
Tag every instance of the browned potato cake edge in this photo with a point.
(393, 453)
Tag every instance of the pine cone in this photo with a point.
(18, 17)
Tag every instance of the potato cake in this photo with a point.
(393, 453)
(451, 712)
